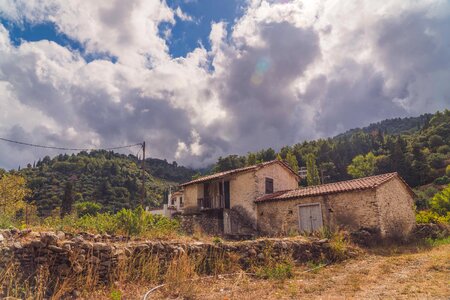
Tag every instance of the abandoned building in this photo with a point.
(265, 199)
(383, 203)
(225, 202)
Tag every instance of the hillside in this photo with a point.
(394, 126)
(417, 148)
(111, 179)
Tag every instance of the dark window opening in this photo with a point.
(269, 185)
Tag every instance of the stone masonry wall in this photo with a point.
(351, 211)
(397, 217)
(66, 254)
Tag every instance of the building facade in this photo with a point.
(382, 203)
(231, 195)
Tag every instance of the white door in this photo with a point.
(310, 217)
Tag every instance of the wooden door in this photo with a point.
(310, 217)
(226, 187)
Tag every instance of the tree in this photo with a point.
(312, 173)
(420, 168)
(435, 141)
(251, 159)
(67, 201)
(13, 191)
(291, 160)
(327, 170)
(362, 166)
(440, 203)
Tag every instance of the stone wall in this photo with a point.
(67, 255)
(397, 217)
(208, 221)
(350, 211)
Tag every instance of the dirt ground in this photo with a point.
(394, 273)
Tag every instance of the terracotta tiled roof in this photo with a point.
(235, 171)
(331, 188)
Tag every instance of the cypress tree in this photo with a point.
(67, 201)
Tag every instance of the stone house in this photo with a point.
(382, 203)
(173, 206)
(225, 202)
(176, 200)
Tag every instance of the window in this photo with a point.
(269, 185)
(181, 201)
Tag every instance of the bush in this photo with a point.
(436, 160)
(138, 221)
(440, 203)
(442, 180)
(443, 149)
(129, 222)
(100, 223)
(428, 216)
(447, 171)
(278, 271)
(87, 208)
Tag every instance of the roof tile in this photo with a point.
(231, 172)
(330, 188)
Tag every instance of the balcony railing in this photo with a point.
(216, 201)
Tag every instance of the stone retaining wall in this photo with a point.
(66, 254)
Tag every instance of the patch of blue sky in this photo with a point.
(31, 32)
(186, 35)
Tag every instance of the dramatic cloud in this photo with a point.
(284, 72)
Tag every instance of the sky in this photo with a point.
(199, 79)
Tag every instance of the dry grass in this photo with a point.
(393, 272)
(421, 274)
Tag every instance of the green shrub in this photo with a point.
(6, 222)
(68, 223)
(138, 221)
(130, 222)
(440, 203)
(443, 149)
(278, 271)
(116, 295)
(217, 240)
(436, 160)
(87, 208)
(428, 216)
(438, 241)
(442, 180)
(100, 223)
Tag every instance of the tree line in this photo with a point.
(417, 148)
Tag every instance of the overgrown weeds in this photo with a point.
(128, 222)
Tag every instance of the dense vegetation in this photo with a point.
(417, 148)
(112, 180)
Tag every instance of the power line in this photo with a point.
(68, 149)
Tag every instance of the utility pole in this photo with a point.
(143, 175)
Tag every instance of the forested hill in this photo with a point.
(394, 126)
(417, 148)
(110, 179)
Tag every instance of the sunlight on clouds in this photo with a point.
(285, 71)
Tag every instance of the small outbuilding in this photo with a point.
(382, 203)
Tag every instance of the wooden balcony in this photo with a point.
(213, 202)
